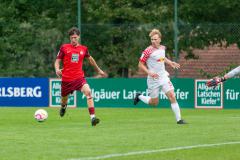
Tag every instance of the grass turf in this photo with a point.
(120, 131)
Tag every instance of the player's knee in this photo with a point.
(154, 102)
(172, 97)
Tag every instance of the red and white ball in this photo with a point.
(41, 115)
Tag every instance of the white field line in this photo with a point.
(237, 117)
(153, 151)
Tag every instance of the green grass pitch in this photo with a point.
(123, 134)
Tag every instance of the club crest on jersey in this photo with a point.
(160, 60)
(75, 57)
(81, 52)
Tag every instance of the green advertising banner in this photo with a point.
(208, 97)
(184, 91)
(119, 92)
(55, 94)
(232, 93)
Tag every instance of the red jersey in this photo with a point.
(72, 58)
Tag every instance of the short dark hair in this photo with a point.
(73, 30)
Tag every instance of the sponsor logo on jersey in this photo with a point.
(75, 57)
(160, 59)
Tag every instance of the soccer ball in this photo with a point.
(40, 115)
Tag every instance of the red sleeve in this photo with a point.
(60, 54)
(145, 55)
(87, 54)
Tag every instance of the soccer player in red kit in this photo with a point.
(71, 56)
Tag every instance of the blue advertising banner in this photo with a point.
(24, 92)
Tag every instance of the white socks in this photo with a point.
(176, 110)
(175, 106)
(145, 99)
(92, 116)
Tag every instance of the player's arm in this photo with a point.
(57, 67)
(171, 63)
(93, 63)
(143, 67)
(216, 80)
(232, 73)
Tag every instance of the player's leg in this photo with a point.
(168, 89)
(87, 92)
(146, 99)
(66, 89)
(139, 96)
(174, 104)
(63, 105)
(152, 98)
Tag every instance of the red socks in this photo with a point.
(91, 110)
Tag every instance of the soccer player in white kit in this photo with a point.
(153, 62)
(215, 81)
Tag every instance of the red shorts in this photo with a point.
(69, 87)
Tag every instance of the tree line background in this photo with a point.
(115, 32)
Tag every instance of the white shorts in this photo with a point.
(155, 86)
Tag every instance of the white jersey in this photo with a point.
(154, 59)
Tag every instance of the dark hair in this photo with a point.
(73, 30)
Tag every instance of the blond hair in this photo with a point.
(155, 31)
